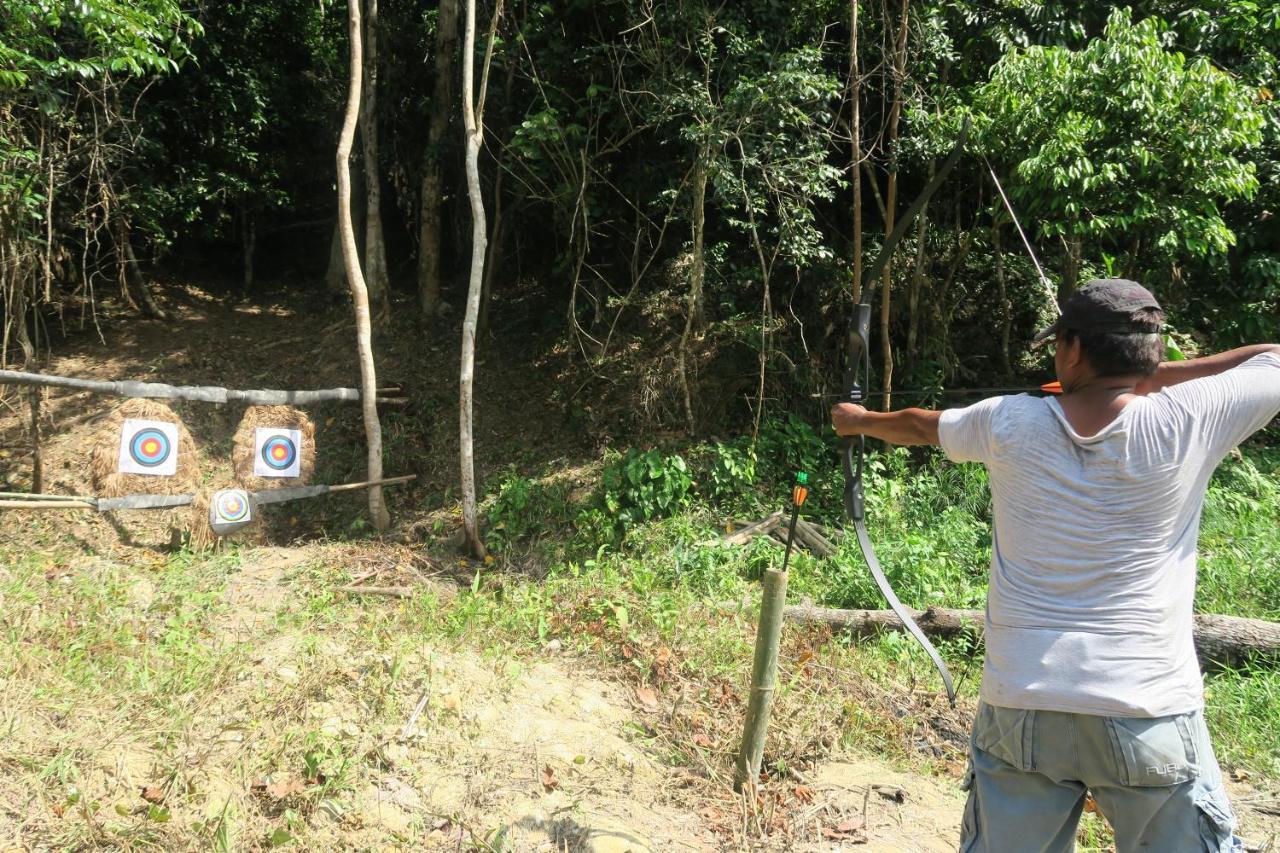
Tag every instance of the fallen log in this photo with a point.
(1220, 640)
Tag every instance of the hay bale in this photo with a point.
(104, 455)
(243, 446)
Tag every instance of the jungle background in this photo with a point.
(681, 201)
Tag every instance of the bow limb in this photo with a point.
(853, 457)
(853, 449)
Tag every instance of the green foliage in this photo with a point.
(1123, 140)
(788, 444)
(726, 471)
(41, 42)
(1238, 543)
(644, 484)
(524, 509)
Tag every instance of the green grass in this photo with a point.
(931, 527)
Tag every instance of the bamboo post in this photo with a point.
(764, 669)
(764, 677)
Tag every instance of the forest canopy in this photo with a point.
(700, 183)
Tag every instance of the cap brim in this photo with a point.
(1045, 336)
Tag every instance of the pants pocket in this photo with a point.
(1007, 734)
(1217, 822)
(1153, 752)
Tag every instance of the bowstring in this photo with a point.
(1044, 279)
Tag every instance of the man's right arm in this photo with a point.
(1176, 372)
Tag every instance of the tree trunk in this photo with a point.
(473, 128)
(134, 278)
(855, 132)
(494, 254)
(698, 216)
(375, 251)
(248, 243)
(500, 217)
(891, 204)
(1071, 267)
(359, 293)
(437, 127)
(335, 277)
(1219, 639)
(1002, 296)
(697, 277)
(917, 282)
(37, 456)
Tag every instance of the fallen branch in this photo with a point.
(197, 393)
(1220, 640)
(810, 536)
(392, 591)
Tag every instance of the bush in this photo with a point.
(643, 484)
(726, 472)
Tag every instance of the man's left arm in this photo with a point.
(905, 426)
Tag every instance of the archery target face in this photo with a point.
(277, 452)
(149, 448)
(229, 509)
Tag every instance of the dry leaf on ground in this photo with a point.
(648, 698)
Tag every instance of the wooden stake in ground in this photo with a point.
(37, 460)
(764, 667)
(473, 122)
(359, 293)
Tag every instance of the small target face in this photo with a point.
(277, 452)
(232, 506)
(148, 447)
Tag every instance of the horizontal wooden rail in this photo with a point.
(197, 393)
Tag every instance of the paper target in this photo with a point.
(149, 448)
(277, 452)
(229, 509)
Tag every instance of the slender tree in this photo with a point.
(855, 135)
(891, 199)
(432, 192)
(359, 293)
(375, 252)
(473, 129)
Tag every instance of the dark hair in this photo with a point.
(1124, 354)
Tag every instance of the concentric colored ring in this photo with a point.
(231, 506)
(149, 447)
(279, 453)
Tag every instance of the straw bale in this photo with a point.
(278, 417)
(104, 454)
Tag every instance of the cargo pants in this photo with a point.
(1156, 781)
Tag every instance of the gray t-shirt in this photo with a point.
(1093, 562)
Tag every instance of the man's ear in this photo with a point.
(1074, 353)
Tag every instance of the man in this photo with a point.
(1091, 680)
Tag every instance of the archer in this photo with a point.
(1090, 681)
